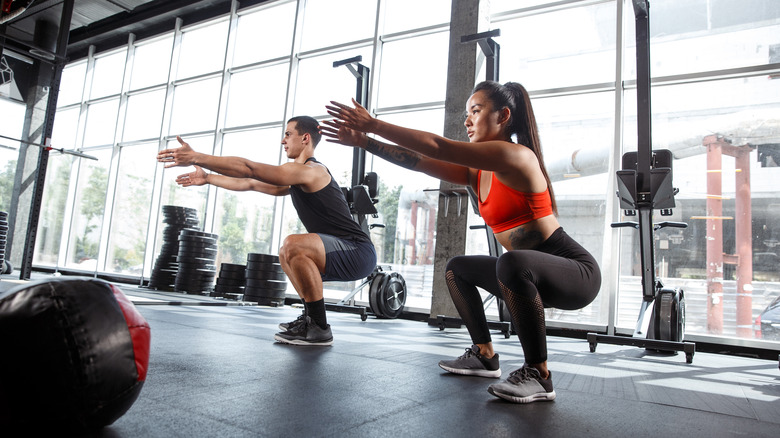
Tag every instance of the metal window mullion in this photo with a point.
(612, 236)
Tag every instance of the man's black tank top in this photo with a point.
(326, 211)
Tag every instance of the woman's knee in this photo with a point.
(514, 266)
(456, 263)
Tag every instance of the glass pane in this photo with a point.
(324, 25)
(401, 15)
(497, 6)
(195, 107)
(696, 36)
(109, 71)
(583, 54)
(577, 136)
(319, 82)
(409, 212)
(245, 220)
(51, 221)
(101, 123)
(202, 50)
(130, 214)
(88, 211)
(144, 115)
(13, 121)
(151, 63)
(72, 84)
(403, 63)
(273, 25)
(66, 123)
(192, 197)
(723, 136)
(250, 103)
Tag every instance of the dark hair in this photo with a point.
(307, 125)
(522, 122)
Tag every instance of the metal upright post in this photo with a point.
(361, 73)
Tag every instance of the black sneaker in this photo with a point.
(286, 325)
(305, 333)
(524, 386)
(471, 363)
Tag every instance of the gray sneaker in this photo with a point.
(524, 385)
(305, 333)
(471, 363)
(286, 325)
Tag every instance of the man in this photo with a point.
(335, 247)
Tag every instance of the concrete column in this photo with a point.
(467, 19)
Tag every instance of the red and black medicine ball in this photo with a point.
(73, 355)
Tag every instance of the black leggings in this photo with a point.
(559, 273)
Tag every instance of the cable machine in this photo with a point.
(645, 184)
(387, 290)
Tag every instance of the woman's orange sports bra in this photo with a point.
(505, 208)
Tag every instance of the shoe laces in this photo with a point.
(523, 374)
(299, 326)
(469, 352)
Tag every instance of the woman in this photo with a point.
(543, 266)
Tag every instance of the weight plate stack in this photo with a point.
(3, 239)
(230, 282)
(165, 267)
(266, 282)
(197, 262)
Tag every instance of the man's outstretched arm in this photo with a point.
(199, 177)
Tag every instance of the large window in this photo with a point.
(228, 84)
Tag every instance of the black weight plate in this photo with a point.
(263, 266)
(266, 275)
(232, 267)
(188, 246)
(228, 289)
(262, 258)
(232, 275)
(231, 282)
(190, 232)
(266, 284)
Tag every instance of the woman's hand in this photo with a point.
(356, 118)
(341, 134)
(182, 156)
(196, 178)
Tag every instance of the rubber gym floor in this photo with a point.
(215, 371)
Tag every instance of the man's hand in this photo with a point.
(196, 178)
(341, 134)
(182, 156)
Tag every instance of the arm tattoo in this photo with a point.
(394, 154)
(520, 239)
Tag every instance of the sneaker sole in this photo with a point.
(542, 396)
(278, 338)
(495, 374)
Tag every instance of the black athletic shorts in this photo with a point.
(347, 260)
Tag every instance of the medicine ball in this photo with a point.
(73, 355)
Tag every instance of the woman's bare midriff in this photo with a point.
(529, 235)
